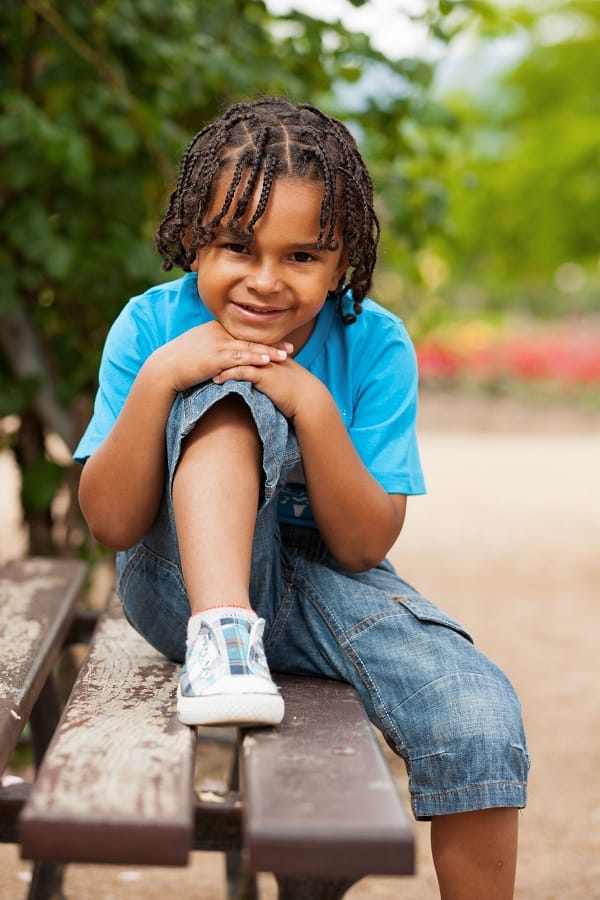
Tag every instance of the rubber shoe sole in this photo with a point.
(228, 708)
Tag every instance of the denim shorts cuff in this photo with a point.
(469, 799)
(280, 447)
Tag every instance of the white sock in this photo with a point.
(214, 614)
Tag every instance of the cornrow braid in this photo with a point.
(254, 144)
(269, 169)
(251, 184)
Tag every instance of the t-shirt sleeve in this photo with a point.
(383, 428)
(129, 343)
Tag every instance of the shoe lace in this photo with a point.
(201, 652)
(256, 655)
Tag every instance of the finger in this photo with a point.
(243, 355)
(285, 345)
(276, 352)
(238, 373)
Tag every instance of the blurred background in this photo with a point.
(479, 121)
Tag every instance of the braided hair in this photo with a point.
(260, 141)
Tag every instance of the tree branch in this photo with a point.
(25, 356)
(76, 43)
(111, 74)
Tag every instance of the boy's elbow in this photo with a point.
(359, 559)
(114, 524)
(112, 535)
(364, 554)
(111, 528)
(355, 565)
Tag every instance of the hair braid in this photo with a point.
(236, 178)
(328, 207)
(253, 144)
(269, 167)
(253, 177)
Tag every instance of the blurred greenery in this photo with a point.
(488, 196)
(520, 170)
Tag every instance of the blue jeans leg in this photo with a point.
(149, 577)
(439, 702)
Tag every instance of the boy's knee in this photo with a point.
(486, 721)
(228, 419)
(474, 747)
(246, 409)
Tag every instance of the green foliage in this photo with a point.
(97, 103)
(41, 480)
(15, 396)
(524, 174)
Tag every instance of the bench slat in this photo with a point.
(37, 605)
(319, 799)
(116, 783)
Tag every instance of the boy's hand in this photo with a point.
(288, 385)
(208, 350)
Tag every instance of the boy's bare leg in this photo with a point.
(475, 854)
(215, 500)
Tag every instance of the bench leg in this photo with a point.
(312, 889)
(44, 719)
(46, 882)
(46, 878)
(241, 882)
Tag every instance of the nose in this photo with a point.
(264, 277)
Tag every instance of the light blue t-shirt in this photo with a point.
(369, 367)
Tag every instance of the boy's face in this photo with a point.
(272, 288)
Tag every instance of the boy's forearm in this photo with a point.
(357, 519)
(121, 484)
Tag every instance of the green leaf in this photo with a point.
(8, 289)
(41, 480)
(15, 396)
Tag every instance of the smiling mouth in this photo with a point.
(259, 310)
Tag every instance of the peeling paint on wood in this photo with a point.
(116, 782)
(22, 621)
(37, 603)
(120, 765)
(319, 790)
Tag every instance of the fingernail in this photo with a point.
(265, 357)
(282, 354)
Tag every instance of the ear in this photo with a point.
(338, 275)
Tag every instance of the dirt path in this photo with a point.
(507, 541)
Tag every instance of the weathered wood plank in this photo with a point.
(116, 782)
(319, 799)
(37, 603)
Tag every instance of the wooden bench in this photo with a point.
(37, 619)
(317, 805)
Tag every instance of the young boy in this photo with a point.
(250, 455)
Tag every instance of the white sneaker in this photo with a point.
(225, 679)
